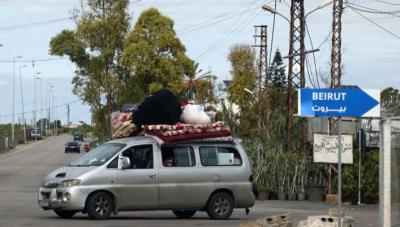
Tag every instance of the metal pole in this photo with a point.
(34, 121)
(22, 102)
(359, 166)
(46, 122)
(13, 103)
(55, 115)
(385, 173)
(49, 110)
(339, 172)
(41, 109)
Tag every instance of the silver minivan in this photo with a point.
(142, 173)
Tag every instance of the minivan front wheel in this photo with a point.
(99, 206)
(220, 206)
(184, 213)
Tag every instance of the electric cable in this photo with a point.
(227, 38)
(42, 109)
(22, 26)
(388, 3)
(309, 73)
(229, 31)
(376, 24)
(272, 37)
(374, 11)
(219, 16)
(215, 22)
(313, 53)
(33, 60)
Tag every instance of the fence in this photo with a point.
(5, 139)
(389, 172)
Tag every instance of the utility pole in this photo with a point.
(13, 103)
(68, 114)
(260, 39)
(41, 108)
(336, 55)
(263, 80)
(336, 74)
(296, 77)
(22, 102)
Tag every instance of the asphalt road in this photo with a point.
(22, 170)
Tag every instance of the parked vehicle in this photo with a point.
(72, 147)
(86, 147)
(36, 134)
(139, 173)
(78, 135)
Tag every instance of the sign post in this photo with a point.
(339, 102)
(339, 172)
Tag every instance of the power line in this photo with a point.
(228, 37)
(373, 22)
(313, 53)
(219, 16)
(309, 73)
(225, 35)
(272, 36)
(33, 60)
(374, 11)
(21, 26)
(181, 32)
(38, 110)
(389, 3)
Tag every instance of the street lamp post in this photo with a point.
(55, 113)
(22, 101)
(35, 115)
(13, 102)
(274, 11)
(50, 107)
(41, 107)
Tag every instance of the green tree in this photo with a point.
(96, 47)
(244, 76)
(204, 91)
(277, 71)
(390, 100)
(155, 56)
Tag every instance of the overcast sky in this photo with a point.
(208, 28)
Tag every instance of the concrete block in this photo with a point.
(326, 221)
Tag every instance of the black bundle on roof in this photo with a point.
(160, 108)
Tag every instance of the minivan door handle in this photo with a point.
(153, 176)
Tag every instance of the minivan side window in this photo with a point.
(178, 156)
(141, 157)
(219, 156)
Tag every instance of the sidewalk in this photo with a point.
(364, 215)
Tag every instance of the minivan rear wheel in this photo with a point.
(99, 206)
(220, 206)
(64, 213)
(184, 213)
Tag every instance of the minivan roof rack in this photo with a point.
(227, 139)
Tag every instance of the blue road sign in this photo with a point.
(340, 102)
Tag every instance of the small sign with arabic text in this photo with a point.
(325, 148)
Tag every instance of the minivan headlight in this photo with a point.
(70, 183)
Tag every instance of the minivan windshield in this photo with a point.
(99, 155)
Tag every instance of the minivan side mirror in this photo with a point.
(124, 163)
